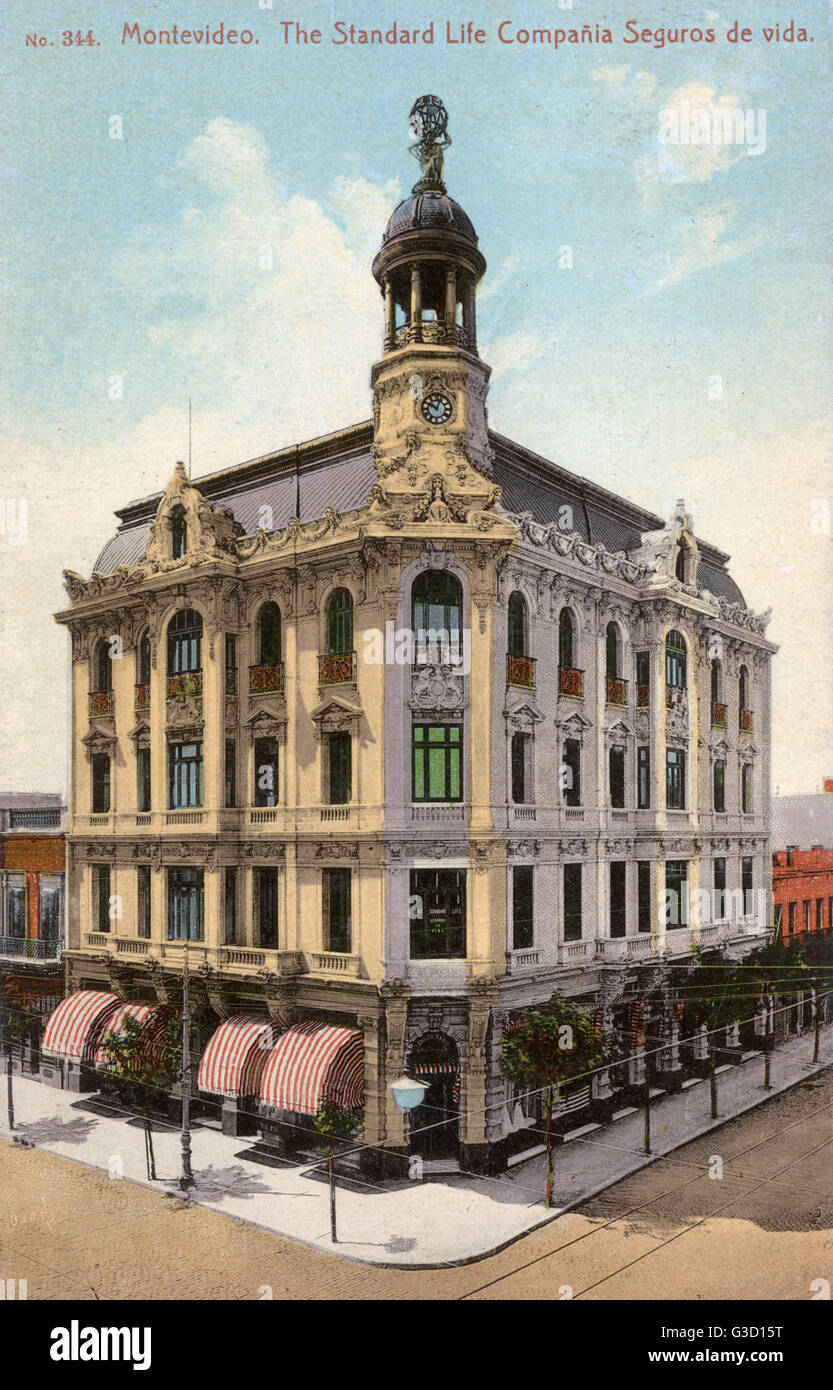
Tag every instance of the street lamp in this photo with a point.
(408, 1093)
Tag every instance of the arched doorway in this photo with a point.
(435, 1125)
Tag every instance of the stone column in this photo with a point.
(601, 1090)
(395, 996)
(474, 1147)
(450, 296)
(371, 1160)
(416, 295)
(470, 320)
(390, 315)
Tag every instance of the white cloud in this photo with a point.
(697, 137)
(698, 245)
(638, 86)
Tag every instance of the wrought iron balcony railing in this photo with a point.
(520, 670)
(337, 669)
(718, 715)
(101, 702)
(570, 682)
(745, 721)
(265, 680)
(26, 948)
(642, 696)
(183, 684)
(617, 691)
(142, 697)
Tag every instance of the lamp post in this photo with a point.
(407, 1093)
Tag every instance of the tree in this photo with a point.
(333, 1125)
(143, 1066)
(549, 1046)
(18, 1021)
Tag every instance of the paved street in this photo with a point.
(663, 1233)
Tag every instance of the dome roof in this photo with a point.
(429, 211)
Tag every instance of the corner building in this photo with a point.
(405, 728)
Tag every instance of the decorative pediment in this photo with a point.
(335, 715)
(267, 721)
(100, 737)
(209, 532)
(672, 552)
(618, 732)
(521, 709)
(140, 734)
(574, 725)
(720, 749)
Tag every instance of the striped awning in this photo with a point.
(72, 1030)
(233, 1059)
(435, 1068)
(152, 1018)
(311, 1063)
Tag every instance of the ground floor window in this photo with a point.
(437, 910)
(186, 905)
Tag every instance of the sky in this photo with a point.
(219, 249)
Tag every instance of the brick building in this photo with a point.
(802, 864)
(32, 874)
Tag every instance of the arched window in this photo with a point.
(743, 688)
(179, 533)
(437, 612)
(517, 625)
(675, 660)
(103, 666)
(184, 642)
(340, 623)
(565, 639)
(612, 652)
(717, 682)
(269, 635)
(143, 663)
(680, 566)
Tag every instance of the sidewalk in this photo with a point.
(449, 1220)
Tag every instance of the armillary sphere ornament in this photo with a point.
(429, 123)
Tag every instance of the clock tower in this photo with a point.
(431, 443)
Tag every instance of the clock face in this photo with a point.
(436, 408)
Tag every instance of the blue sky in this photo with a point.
(221, 250)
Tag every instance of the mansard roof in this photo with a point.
(337, 470)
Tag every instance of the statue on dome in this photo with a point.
(429, 123)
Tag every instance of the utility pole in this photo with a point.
(816, 1025)
(767, 1047)
(187, 1178)
(713, 1081)
(9, 1083)
(646, 1138)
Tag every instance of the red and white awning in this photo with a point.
(150, 1018)
(73, 1029)
(311, 1063)
(233, 1060)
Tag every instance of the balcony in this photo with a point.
(141, 699)
(101, 702)
(617, 691)
(639, 946)
(184, 684)
(612, 948)
(335, 813)
(264, 815)
(573, 952)
(335, 963)
(184, 817)
(519, 961)
(339, 669)
(27, 948)
(520, 670)
(745, 721)
(266, 680)
(718, 715)
(431, 331)
(570, 682)
(643, 695)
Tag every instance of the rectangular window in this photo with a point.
(50, 907)
(266, 772)
(791, 918)
(675, 779)
(101, 897)
(522, 907)
(185, 775)
(676, 892)
(186, 904)
(819, 914)
(746, 788)
(337, 890)
(520, 745)
(643, 870)
(806, 905)
(719, 872)
(617, 776)
(643, 668)
(267, 908)
(618, 900)
(747, 885)
(230, 905)
(101, 783)
(231, 652)
(340, 749)
(142, 779)
(230, 773)
(437, 911)
(143, 881)
(643, 778)
(779, 918)
(17, 905)
(571, 771)
(437, 768)
(719, 784)
(572, 902)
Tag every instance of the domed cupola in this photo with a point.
(429, 265)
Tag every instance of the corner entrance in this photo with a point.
(435, 1125)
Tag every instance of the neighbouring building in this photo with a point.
(802, 864)
(32, 872)
(401, 730)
